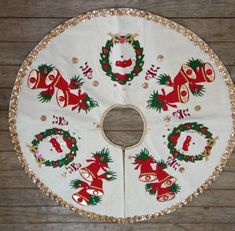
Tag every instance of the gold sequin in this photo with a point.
(74, 60)
(197, 108)
(43, 118)
(145, 85)
(181, 169)
(95, 83)
(160, 58)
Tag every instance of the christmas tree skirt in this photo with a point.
(88, 65)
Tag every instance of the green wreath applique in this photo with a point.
(47, 134)
(105, 55)
(199, 128)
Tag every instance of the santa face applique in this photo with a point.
(190, 142)
(122, 58)
(53, 147)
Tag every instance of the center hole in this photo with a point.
(124, 126)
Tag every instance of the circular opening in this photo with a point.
(123, 126)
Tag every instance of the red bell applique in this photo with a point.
(160, 182)
(91, 192)
(49, 78)
(143, 161)
(82, 197)
(36, 80)
(163, 194)
(179, 94)
(165, 180)
(55, 79)
(99, 162)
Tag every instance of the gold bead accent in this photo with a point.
(160, 58)
(197, 108)
(145, 85)
(95, 83)
(43, 118)
(74, 60)
(181, 169)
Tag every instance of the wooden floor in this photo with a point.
(22, 24)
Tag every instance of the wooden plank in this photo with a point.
(34, 29)
(125, 119)
(8, 75)
(17, 179)
(168, 8)
(4, 120)
(5, 98)
(14, 53)
(35, 197)
(117, 227)
(202, 215)
(5, 141)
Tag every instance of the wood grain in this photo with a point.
(22, 205)
(168, 8)
(42, 214)
(90, 226)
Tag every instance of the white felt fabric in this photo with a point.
(85, 41)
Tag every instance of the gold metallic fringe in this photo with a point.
(118, 12)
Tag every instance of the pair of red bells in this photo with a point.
(95, 187)
(186, 75)
(53, 80)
